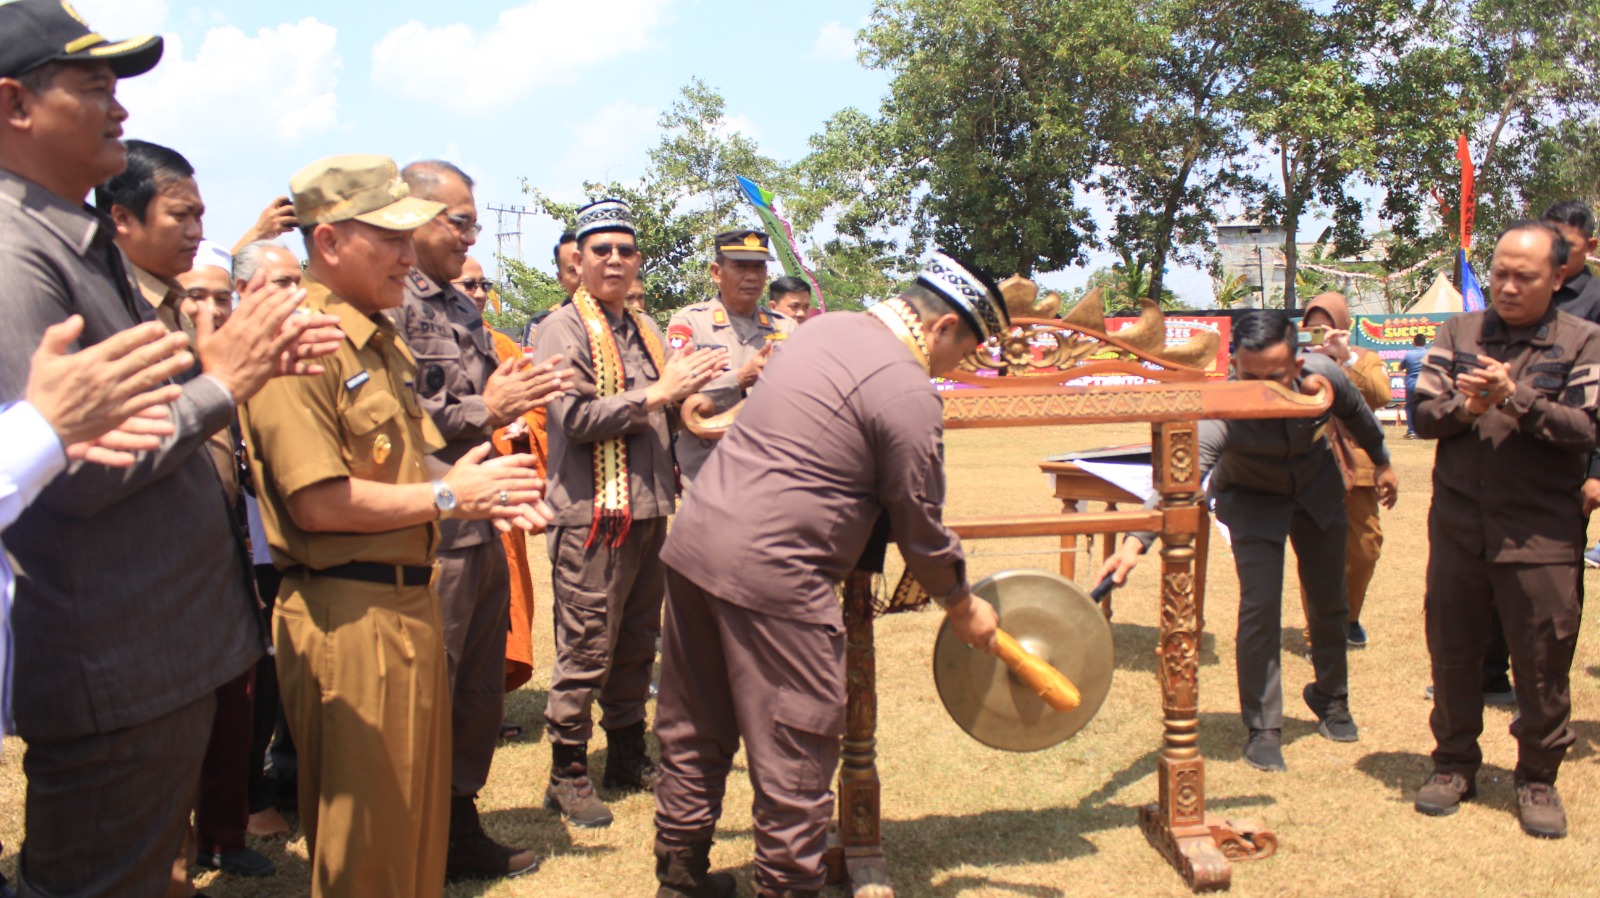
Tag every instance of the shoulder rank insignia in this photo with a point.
(419, 281)
(718, 316)
(764, 319)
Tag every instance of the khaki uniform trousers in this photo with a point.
(362, 672)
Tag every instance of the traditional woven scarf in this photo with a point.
(612, 517)
(904, 322)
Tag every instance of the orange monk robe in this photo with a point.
(519, 641)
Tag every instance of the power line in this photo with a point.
(503, 236)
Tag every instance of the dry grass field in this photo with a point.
(961, 819)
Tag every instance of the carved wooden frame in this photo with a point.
(1175, 398)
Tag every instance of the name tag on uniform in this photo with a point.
(357, 381)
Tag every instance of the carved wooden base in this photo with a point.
(1201, 854)
(862, 868)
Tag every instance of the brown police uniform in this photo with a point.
(848, 427)
(607, 598)
(1506, 530)
(711, 324)
(455, 355)
(361, 663)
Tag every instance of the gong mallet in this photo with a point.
(1037, 674)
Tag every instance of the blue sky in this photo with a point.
(550, 91)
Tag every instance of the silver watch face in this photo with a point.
(443, 498)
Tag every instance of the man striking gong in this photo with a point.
(844, 426)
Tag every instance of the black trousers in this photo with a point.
(1259, 561)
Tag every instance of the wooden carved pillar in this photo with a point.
(1198, 844)
(859, 831)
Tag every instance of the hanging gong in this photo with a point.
(1055, 621)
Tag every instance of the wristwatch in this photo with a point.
(443, 499)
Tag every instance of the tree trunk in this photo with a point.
(1291, 227)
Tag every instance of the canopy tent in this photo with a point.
(1440, 298)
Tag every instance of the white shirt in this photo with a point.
(30, 457)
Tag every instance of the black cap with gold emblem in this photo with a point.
(745, 244)
(34, 32)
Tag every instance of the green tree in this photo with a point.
(985, 139)
(687, 194)
(1313, 110)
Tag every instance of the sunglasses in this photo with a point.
(470, 285)
(604, 250)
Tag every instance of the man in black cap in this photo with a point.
(849, 427)
(612, 487)
(733, 321)
(114, 699)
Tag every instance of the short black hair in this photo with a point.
(1559, 247)
(1419, 340)
(786, 285)
(567, 236)
(1260, 329)
(1572, 213)
(150, 168)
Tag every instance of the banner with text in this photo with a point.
(1391, 337)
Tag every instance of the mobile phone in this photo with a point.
(1313, 336)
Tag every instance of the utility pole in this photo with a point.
(504, 236)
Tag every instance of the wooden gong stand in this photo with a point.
(1174, 400)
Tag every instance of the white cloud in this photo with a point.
(739, 124)
(119, 19)
(834, 43)
(609, 146)
(540, 44)
(277, 87)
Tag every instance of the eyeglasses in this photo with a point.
(472, 286)
(200, 294)
(465, 226)
(604, 250)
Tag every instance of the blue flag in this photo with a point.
(1471, 293)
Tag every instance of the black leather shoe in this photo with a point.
(239, 862)
(1264, 751)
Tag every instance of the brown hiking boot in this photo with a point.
(628, 764)
(473, 855)
(570, 791)
(1540, 809)
(684, 871)
(1442, 793)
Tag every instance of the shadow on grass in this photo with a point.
(1403, 772)
(533, 826)
(525, 708)
(1136, 647)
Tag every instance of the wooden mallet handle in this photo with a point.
(1052, 685)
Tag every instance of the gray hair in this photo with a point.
(427, 176)
(246, 261)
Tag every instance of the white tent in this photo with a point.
(1440, 298)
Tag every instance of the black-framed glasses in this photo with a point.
(604, 250)
(466, 227)
(472, 285)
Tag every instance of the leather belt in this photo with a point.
(371, 572)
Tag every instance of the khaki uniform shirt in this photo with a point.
(1507, 482)
(455, 355)
(709, 325)
(848, 428)
(132, 597)
(582, 417)
(360, 418)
